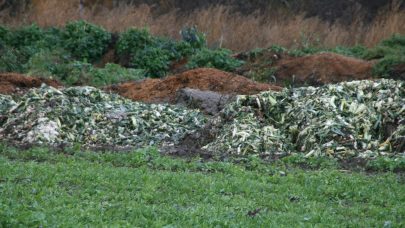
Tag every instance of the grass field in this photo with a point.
(44, 188)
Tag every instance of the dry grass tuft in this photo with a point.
(223, 28)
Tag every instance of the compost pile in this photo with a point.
(350, 119)
(91, 117)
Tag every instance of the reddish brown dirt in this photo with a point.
(321, 69)
(164, 90)
(12, 83)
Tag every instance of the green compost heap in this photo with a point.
(350, 119)
(91, 117)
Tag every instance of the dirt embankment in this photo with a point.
(313, 70)
(13, 83)
(164, 90)
(322, 69)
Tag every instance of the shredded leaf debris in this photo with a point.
(350, 119)
(88, 116)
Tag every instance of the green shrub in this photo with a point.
(24, 36)
(155, 61)
(304, 51)
(196, 39)
(392, 46)
(21, 44)
(113, 73)
(58, 64)
(357, 51)
(385, 66)
(219, 58)
(389, 52)
(79, 73)
(50, 63)
(53, 39)
(86, 42)
(133, 41)
(10, 59)
(4, 32)
(395, 41)
(175, 49)
(278, 49)
(153, 54)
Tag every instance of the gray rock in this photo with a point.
(207, 101)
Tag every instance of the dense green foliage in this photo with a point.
(388, 53)
(142, 188)
(62, 52)
(156, 54)
(220, 59)
(195, 38)
(85, 41)
(54, 64)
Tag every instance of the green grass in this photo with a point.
(40, 187)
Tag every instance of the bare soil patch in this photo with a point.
(322, 69)
(164, 90)
(13, 83)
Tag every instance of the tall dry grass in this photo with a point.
(223, 28)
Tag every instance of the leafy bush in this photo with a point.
(385, 66)
(153, 54)
(155, 61)
(278, 49)
(113, 73)
(86, 42)
(299, 52)
(196, 39)
(357, 51)
(10, 59)
(58, 64)
(176, 50)
(395, 41)
(390, 52)
(219, 58)
(24, 36)
(134, 40)
(50, 63)
(3, 33)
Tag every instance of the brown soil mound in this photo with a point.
(11, 83)
(164, 90)
(321, 69)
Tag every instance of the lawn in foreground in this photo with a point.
(39, 187)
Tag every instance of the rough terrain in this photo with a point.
(322, 69)
(314, 70)
(164, 90)
(13, 83)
